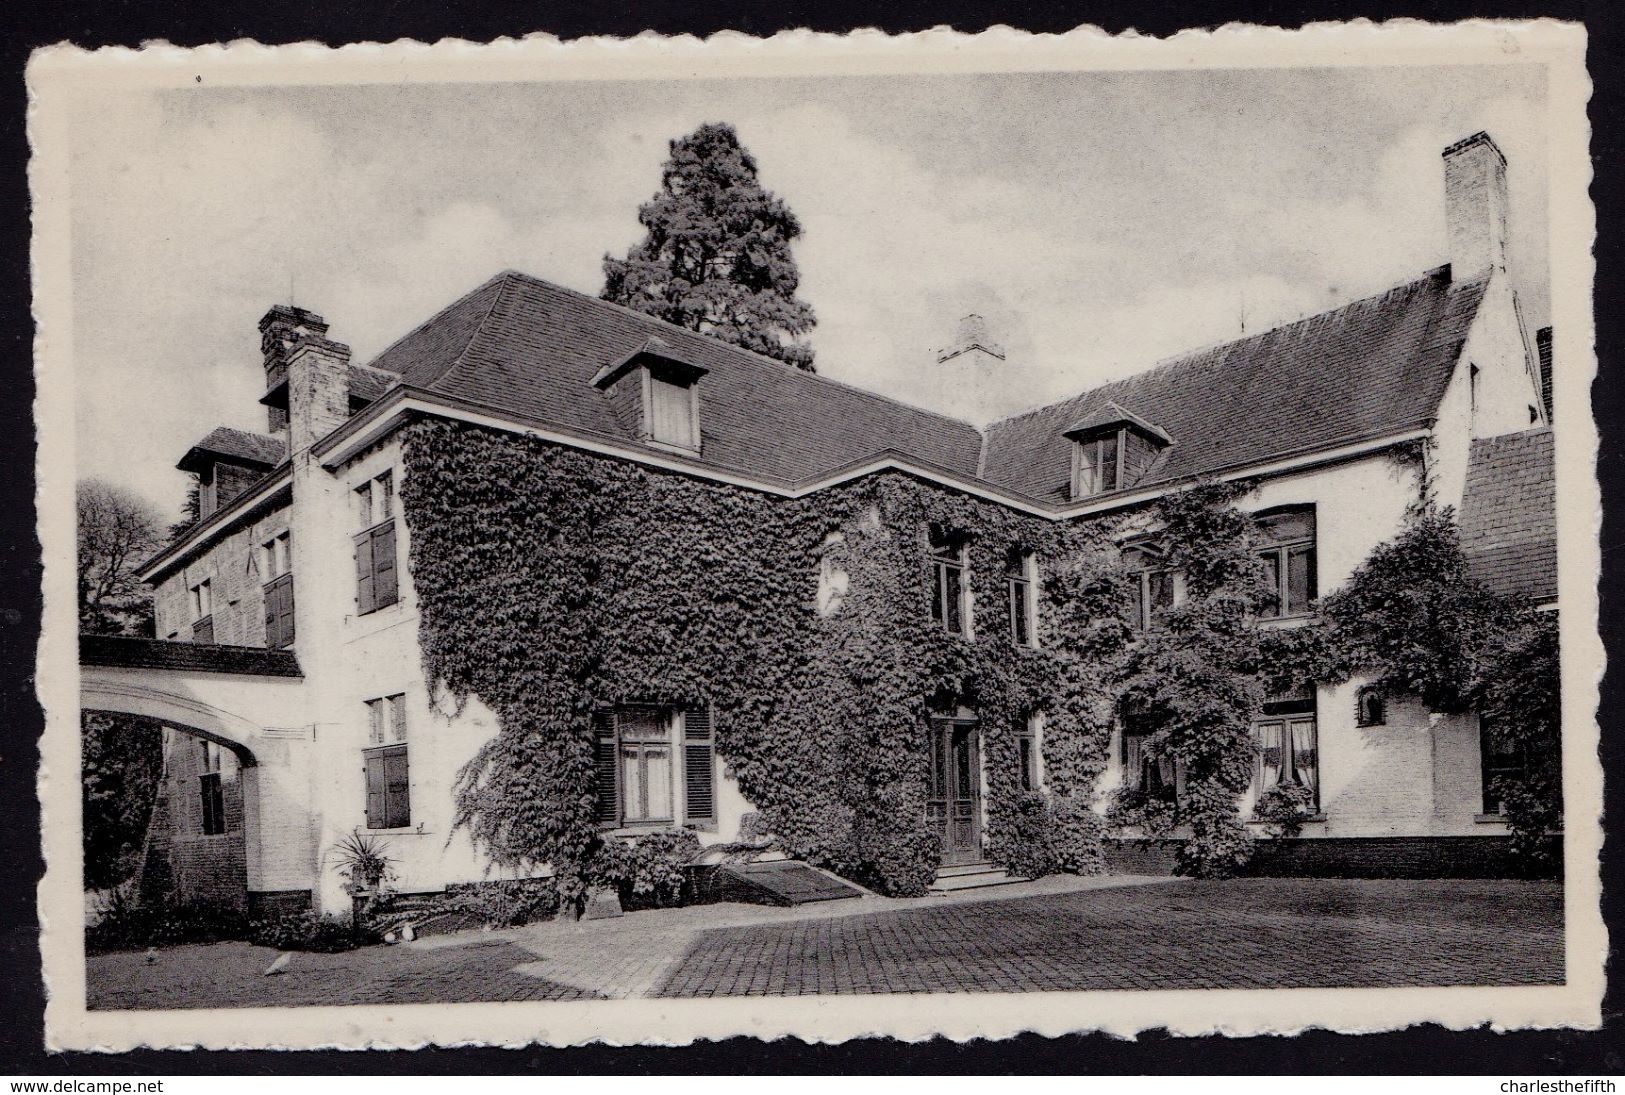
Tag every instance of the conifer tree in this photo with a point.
(717, 256)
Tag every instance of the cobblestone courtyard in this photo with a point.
(1055, 934)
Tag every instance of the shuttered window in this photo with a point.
(279, 612)
(698, 768)
(634, 748)
(389, 799)
(376, 585)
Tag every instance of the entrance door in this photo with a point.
(954, 807)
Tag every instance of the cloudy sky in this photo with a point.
(1101, 221)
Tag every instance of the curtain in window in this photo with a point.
(670, 413)
(1306, 755)
(646, 767)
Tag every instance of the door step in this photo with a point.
(972, 876)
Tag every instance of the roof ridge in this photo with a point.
(485, 315)
(790, 369)
(1166, 363)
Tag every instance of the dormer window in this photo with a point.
(1112, 449)
(656, 393)
(670, 412)
(1097, 465)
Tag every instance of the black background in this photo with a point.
(34, 23)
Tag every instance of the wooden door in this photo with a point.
(954, 805)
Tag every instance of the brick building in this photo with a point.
(301, 547)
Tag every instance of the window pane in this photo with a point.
(1020, 610)
(938, 582)
(1161, 584)
(384, 496)
(1087, 452)
(952, 598)
(641, 723)
(363, 505)
(1108, 464)
(1269, 751)
(633, 803)
(939, 785)
(375, 721)
(1305, 753)
(669, 413)
(657, 771)
(397, 706)
(1272, 584)
(1300, 579)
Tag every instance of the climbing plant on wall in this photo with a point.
(1190, 684)
(553, 583)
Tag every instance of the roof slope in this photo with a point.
(1509, 515)
(1368, 369)
(240, 445)
(531, 348)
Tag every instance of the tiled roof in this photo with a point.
(129, 652)
(236, 446)
(531, 348)
(1509, 515)
(1368, 369)
(367, 383)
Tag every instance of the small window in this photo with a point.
(1019, 574)
(948, 582)
(670, 413)
(211, 790)
(655, 765)
(1027, 753)
(1290, 579)
(1097, 465)
(375, 564)
(1472, 390)
(1502, 760)
(833, 580)
(202, 612)
(386, 720)
(1153, 587)
(275, 558)
(1370, 707)
(1288, 742)
(389, 790)
(1159, 777)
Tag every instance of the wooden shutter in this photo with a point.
(375, 790)
(397, 789)
(279, 612)
(365, 601)
(384, 586)
(605, 767)
(699, 771)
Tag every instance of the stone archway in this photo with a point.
(236, 718)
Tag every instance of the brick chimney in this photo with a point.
(972, 341)
(1475, 207)
(283, 330)
(318, 391)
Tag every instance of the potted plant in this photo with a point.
(364, 862)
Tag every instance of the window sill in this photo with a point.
(1285, 621)
(406, 830)
(672, 447)
(1489, 819)
(1317, 818)
(643, 828)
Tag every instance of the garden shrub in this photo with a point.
(1154, 815)
(1283, 809)
(506, 903)
(646, 871)
(1022, 841)
(127, 924)
(1076, 835)
(307, 931)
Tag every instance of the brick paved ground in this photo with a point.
(1250, 933)
(1056, 933)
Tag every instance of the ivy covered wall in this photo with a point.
(553, 582)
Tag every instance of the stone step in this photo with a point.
(981, 866)
(977, 881)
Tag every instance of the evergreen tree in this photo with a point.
(717, 257)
